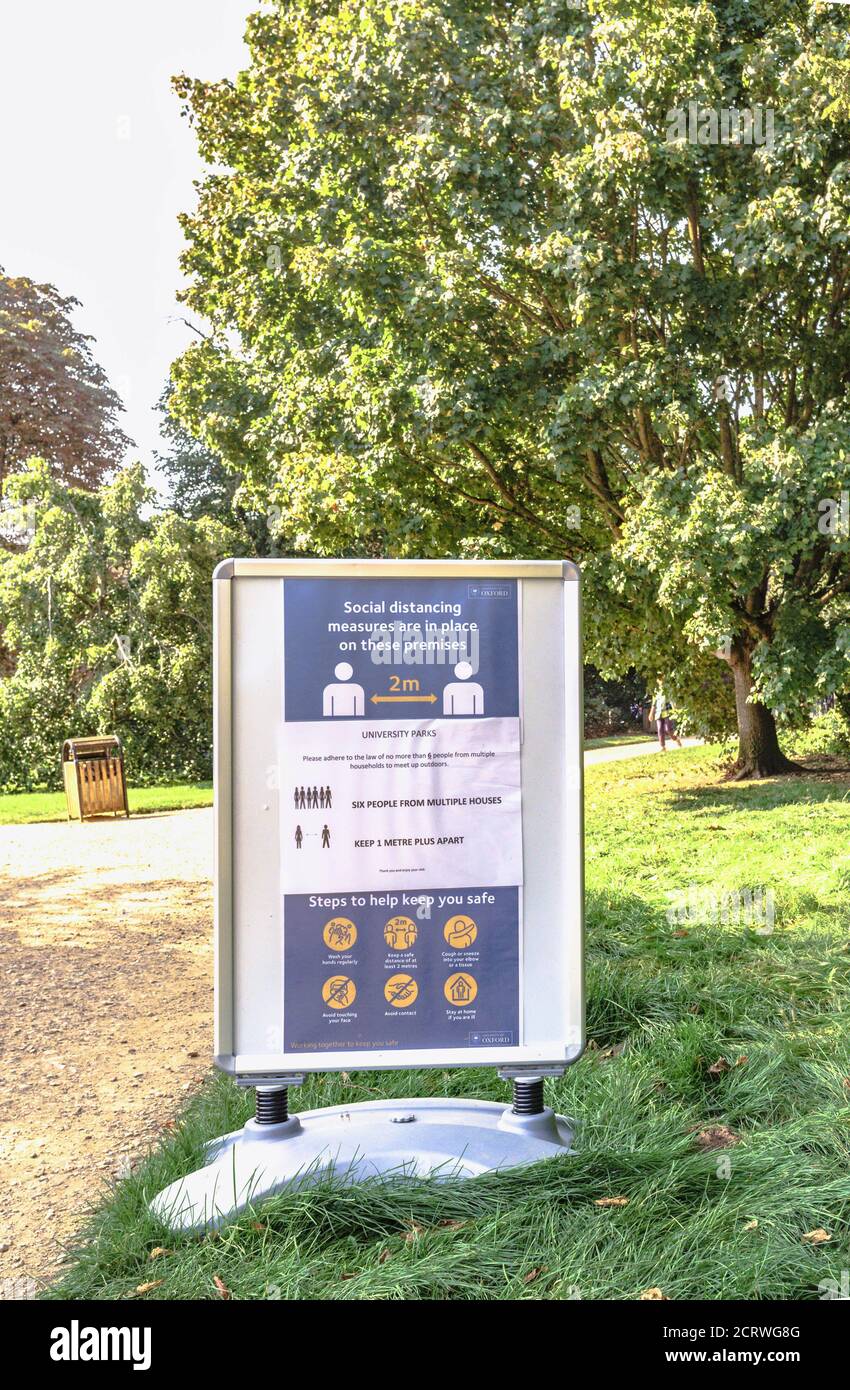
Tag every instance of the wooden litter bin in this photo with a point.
(93, 773)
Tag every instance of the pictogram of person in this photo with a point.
(322, 797)
(299, 836)
(463, 696)
(315, 798)
(328, 797)
(341, 699)
(295, 799)
(302, 800)
(326, 837)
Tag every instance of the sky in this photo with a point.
(97, 163)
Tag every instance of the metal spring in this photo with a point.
(528, 1096)
(272, 1106)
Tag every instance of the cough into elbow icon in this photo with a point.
(463, 696)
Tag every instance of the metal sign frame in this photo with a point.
(248, 674)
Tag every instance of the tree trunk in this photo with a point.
(759, 754)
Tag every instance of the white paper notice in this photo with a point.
(411, 804)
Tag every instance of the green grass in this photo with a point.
(25, 808)
(666, 1000)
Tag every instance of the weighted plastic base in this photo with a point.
(399, 1138)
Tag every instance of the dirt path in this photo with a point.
(105, 1013)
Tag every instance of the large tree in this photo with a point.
(107, 617)
(198, 482)
(201, 484)
(473, 287)
(55, 400)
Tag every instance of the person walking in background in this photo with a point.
(663, 713)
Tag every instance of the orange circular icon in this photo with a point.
(401, 991)
(460, 932)
(460, 989)
(400, 933)
(339, 934)
(339, 992)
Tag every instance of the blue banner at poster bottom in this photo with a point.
(367, 972)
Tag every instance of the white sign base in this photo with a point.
(376, 1139)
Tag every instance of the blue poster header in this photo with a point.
(400, 649)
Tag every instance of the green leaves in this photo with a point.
(463, 285)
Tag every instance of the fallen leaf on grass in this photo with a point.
(716, 1137)
(718, 1067)
(751, 1226)
(611, 1202)
(157, 1251)
(349, 1276)
(533, 1274)
(653, 1294)
(680, 933)
(146, 1288)
(223, 1290)
(817, 1237)
(258, 1226)
(383, 1257)
(414, 1231)
(451, 1223)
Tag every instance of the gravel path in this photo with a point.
(617, 752)
(106, 1010)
